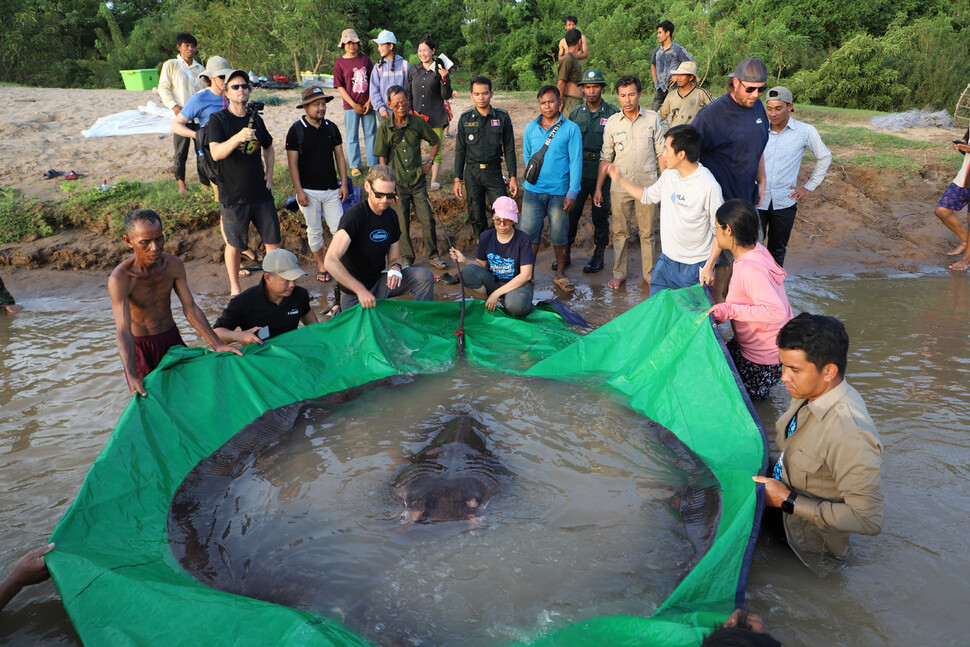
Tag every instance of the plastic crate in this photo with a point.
(140, 79)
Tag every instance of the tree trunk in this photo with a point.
(296, 66)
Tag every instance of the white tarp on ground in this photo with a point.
(147, 120)
(913, 119)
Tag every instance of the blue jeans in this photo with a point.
(670, 275)
(535, 208)
(369, 123)
(518, 302)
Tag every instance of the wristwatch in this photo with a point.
(788, 505)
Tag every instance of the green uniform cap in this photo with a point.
(592, 76)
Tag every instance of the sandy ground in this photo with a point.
(859, 219)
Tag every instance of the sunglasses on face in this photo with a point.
(239, 86)
(389, 196)
(753, 89)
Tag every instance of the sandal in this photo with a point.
(324, 276)
(335, 310)
(244, 272)
(251, 255)
(564, 284)
(437, 263)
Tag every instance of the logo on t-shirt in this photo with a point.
(677, 198)
(378, 235)
(358, 81)
(503, 268)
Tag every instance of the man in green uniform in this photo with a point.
(398, 145)
(570, 73)
(591, 118)
(484, 136)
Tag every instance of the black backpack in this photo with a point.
(204, 137)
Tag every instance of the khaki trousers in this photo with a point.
(626, 207)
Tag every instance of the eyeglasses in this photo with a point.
(239, 86)
(502, 221)
(390, 196)
(752, 90)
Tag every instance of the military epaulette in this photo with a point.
(468, 112)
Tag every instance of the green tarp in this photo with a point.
(121, 585)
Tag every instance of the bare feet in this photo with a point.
(13, 309)
(958, 250)
(182, 187)
(614, 284)
(961, 265)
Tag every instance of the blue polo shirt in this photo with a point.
(562, 167)
(732, 140)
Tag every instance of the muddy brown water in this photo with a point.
(61, 392)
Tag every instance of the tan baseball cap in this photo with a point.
(282, 263)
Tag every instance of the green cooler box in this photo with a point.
(140, 79)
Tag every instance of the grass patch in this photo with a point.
(104, 212)
(20, 217)
(888, 161)
(854, 137)
(819, 114)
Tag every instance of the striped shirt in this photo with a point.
(783, 159)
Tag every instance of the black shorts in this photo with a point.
(236, 219)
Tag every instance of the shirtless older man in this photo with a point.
(141, 300)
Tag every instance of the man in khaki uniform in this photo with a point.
(633, 140)
(683, 103)
(827, 480)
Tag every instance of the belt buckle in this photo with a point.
(483, 166)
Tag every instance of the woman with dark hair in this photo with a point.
(428, 86)
(756, 301)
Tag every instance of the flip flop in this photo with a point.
(251, 255)
(335, 310)
(324, 276)
(564, 284)
(447, 279)
(51, 173)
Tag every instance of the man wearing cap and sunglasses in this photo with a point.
(365, 253)
(245, 177)
(275, 306)
(313, 147)
(734, 133)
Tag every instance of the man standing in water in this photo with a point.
(827, 479)
(141, 300)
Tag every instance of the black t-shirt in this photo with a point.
(242, 179)
(505, 260)
(371, 236)
(733, 138)
(251, 308)
(316, 160)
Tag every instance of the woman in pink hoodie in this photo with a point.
(756, 302)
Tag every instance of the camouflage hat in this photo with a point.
(592, 75)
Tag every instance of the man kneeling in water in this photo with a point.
(141, 300)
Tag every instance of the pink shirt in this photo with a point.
(756, 304)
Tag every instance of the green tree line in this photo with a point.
(878, 54)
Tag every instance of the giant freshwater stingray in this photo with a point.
(453, 478)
